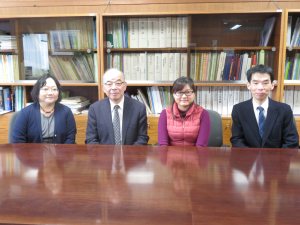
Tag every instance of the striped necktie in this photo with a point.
(116, 125)
(261, 120)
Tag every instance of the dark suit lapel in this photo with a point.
(107, 116)
(126, 118)
(270, 120)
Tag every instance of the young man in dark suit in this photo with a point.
(131, 115)
(261, 122)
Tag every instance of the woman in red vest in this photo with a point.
(184, 123)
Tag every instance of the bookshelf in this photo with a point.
(291, 92)
(64, 46)
(215, 50)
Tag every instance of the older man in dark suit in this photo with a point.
(116, 119)
(261, 122)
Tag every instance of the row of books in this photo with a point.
(11, 99)
(219, 99)
(292, 67)
(152, 32)
(9, 70)
(149, 66)
(74, 67)
(293, 36)
(218, 66)
(8, 42)
(158, 98)
(292, 97)
(74, 34)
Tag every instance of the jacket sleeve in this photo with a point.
(71, 128)
(290, 137)
(91, 130)
(163, 137)
(19, 131)
(204, 131)
(237, 135)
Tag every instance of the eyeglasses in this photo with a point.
(45, 89)
(186, 93)
(118, 83)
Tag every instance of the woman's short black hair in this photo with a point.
(181, 82)
(41, 82)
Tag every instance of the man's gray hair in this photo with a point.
(110, 72)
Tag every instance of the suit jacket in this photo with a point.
(28, 128)
(280, 130)
(100, 128)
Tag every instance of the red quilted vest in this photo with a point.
(183, 131)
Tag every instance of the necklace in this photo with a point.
(47, 112)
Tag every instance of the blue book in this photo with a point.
(1, 99)
(7, 99)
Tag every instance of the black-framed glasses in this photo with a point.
(186, 93)
(117, 83)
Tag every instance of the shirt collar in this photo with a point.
(121, 104)
(265, 104)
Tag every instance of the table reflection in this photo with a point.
(98, 184)
(181, 163)
(48, 161)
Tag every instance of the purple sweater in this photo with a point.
(203, 135)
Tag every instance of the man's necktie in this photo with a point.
(261, 120)
(116, 125)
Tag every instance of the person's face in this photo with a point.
(260, 86)
(184, 98)
(114, 87)
(49, 93)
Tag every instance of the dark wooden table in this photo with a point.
(98, 184)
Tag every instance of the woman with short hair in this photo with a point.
(46, 120)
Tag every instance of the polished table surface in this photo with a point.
(101, 184)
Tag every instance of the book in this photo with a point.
(133, 32)
(296, 105)
(144, 100)
(7, 99)
(143, 32)
(1, 99)
(153, 33)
